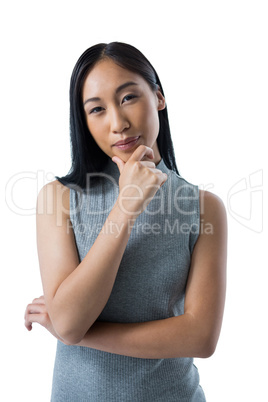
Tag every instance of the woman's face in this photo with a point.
(119, 104)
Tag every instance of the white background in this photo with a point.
(211, 57)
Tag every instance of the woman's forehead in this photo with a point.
(107, 75)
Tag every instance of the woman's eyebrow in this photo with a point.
(96, 99)
(123, 86)
(120, 88)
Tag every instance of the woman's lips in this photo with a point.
(128, 145)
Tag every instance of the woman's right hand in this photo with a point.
(139, 181)
(37, 312)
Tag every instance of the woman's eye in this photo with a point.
(95, 110)
(128, 98)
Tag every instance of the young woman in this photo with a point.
(132, 256)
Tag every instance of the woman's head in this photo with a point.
(99, 71)
(120, 105)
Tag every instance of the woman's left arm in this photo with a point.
(194, 333)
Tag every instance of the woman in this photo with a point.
(132, 256)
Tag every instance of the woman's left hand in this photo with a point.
(37, 312)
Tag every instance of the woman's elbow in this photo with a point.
(67, 334)
(70, 337)
(207, 348)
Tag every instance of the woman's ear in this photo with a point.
(161, 100)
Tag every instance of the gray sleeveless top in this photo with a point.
(150, 285)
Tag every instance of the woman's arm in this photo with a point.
(75, 294)
(196, 332)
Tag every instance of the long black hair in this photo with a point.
(87, 157)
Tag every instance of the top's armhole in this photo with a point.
(72, 205)
(75, 202)
(196, 224)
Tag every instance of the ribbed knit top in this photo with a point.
(150, 285)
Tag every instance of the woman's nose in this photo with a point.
(118, 121)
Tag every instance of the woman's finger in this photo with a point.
(28, 325)
(40, 300)
(34, 309)
(31, 318)
(148, 164)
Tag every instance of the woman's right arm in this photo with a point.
(76, 293)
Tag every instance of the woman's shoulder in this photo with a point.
(211, 205)
(54, 198)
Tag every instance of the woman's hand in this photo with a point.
(139, 180)
(37, 312)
